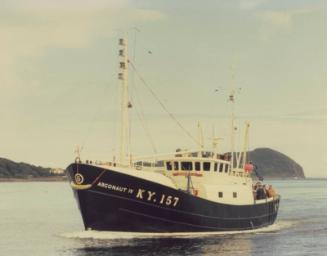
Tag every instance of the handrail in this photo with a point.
(169, 154)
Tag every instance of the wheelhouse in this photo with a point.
(197, 165)
(202, 161)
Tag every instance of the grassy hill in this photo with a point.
(11, 169)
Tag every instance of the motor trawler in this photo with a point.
(185, 191)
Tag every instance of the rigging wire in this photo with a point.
(92, 122)
(141, 117)
(140, 112)
(136, 30)
(146, 130)
(163, 106)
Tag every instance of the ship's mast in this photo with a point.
(123, 77)
(200, 136)
(246, 142)
(232, 138)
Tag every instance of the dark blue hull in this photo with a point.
(121, 202)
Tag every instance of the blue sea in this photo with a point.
(42, 218)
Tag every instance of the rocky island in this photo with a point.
(273, 164)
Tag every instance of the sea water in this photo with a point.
(42, 218)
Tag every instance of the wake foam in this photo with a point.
(109, 235)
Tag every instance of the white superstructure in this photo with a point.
(203, 174)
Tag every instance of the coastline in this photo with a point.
(64, 178)
(36, 179)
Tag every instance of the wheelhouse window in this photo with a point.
(176, 166)
(206, 166)
(220, 194)
(169, 166)
(221, 167)
(197, 166)
(186, 166)
(194, 154)
(147, 164)
(206, 154)
(159, 164)
(226, 168)
(216, 167)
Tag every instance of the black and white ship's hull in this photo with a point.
(115, 201)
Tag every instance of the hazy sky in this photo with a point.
(58, 69)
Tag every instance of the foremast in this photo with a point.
(124, 153)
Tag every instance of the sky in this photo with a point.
(58, 70)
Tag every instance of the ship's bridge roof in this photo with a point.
(188, 160)
(204, 154)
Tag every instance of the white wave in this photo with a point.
(278, 226)
(110, 235)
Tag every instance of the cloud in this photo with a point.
(43, 5)
(283, 19)
(273, 23)
(252, 4)
(63, 27)
(29, 31)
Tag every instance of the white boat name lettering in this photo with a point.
(143, 194)
(140, 193)
(114, 187)
(152, 197)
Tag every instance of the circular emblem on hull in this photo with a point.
(79, 179)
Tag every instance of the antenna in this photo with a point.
(232, 101)
(77, 151)
(246, 142)
(200, 134)
(215, 143)
(214, 140)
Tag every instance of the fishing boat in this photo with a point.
(185, 191)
